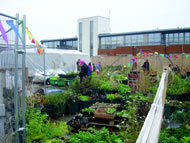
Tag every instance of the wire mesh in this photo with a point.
(7, 82)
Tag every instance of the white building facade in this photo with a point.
(88, 31)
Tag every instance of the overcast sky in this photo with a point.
(53, 19)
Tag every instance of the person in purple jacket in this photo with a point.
(90, 67)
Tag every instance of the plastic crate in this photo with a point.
(53, 82)
(69, 82)
(61, 83)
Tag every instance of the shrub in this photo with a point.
(39, 129)
(178, 86)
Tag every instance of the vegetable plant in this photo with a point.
(88, 110)
(111, 110)
(39, 129)
(178, 86)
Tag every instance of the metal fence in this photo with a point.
(12, 82)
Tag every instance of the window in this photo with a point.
(134, 39)
(187, 37)
(176, 38)
(181, 38)
(171, 38)
(128, 40)
(140, 39)
(119, 40)
(154, 39)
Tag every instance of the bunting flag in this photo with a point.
(129, 65)
(187, 56)
(22, 25)
(2, 30)
(11, 24)
(30, 36)
(162, 55)
(166, 56)
(170, 56)
(40, 50)
(141, 51)
(175, 56)
(145, 54)
(156, 53)
(132, 61)
(150, 54)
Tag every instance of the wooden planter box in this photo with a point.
(102, 113)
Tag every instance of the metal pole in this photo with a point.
(23, 79)
(16, 84)
(8, 16)
(44, 71)
(155, 55)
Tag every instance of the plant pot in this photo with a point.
(117, 101)
(125, 82)
(72, 107)
(169, 110)
(86, 104)
(50, 110)
(180, 97)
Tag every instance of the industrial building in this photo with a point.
(95, 38)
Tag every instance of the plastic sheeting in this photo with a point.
(55, 60)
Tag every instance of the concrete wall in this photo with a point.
(101, 25)
(156, 62)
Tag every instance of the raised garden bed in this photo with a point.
(102, 113)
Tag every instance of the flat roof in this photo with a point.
(64, 39)
(146, 32)
(93, 17)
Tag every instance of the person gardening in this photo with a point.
(84, 70)
(78, 65)
(146, 66)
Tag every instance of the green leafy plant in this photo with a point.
(123, 89)
(39, 129)
(178, 133)
(88, 110)
(181, 116)
(133, 122)
(178, 86)
(94, 136)
(110, 96)
(120, 78)
(59, 100)
(83, 98)
(123, 114)
(185, 139)
(105, 85)
(111, 110)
